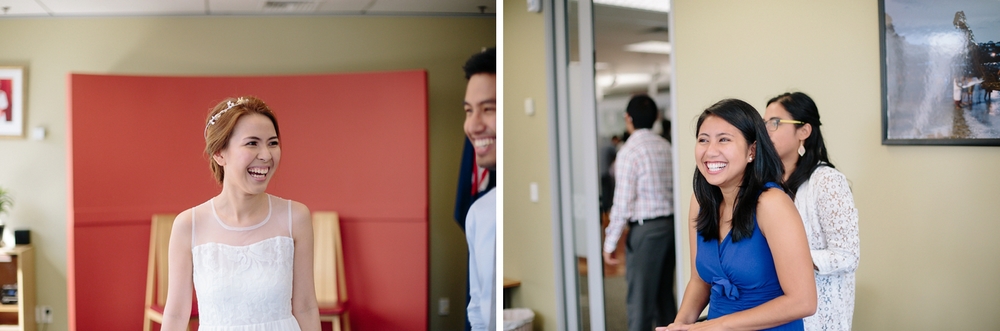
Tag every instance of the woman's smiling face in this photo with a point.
(252, 155)
(722, 153)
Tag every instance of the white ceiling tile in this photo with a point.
(434, 6)
(230, 7)
(22, 8)
(343, 6)
(124, 7)
(234, 6)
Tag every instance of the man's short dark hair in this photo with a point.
(484, 62)
(642, 110)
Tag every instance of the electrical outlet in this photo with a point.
(43, 314)
(443, 307)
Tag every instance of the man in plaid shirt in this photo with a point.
(644, 201)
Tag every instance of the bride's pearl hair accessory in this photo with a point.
(229, 105)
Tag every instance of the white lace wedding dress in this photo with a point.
(243, 275)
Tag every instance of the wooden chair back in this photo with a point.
(328, 269)
(156, 275)
(156, 270)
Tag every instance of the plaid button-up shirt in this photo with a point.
(643, 183)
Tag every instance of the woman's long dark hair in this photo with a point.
(802, 108)
(765, 167)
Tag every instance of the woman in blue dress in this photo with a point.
(750, 257)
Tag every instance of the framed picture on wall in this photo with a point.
(11, 102)
(940, 72)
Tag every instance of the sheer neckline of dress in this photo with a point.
(241, 228)
(247, 245)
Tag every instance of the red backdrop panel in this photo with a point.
(383, 275)
(351, 143)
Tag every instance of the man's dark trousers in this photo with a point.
(649, 272)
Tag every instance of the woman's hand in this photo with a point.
(700, 326)
(675, 327)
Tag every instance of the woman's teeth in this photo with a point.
(258, 172)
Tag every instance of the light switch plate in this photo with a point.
(535, 6)
(37, 133)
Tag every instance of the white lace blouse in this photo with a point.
(827, 208)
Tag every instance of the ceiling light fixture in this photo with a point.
(652, 46)
(651, 5)
(623, 79)
(290, 6)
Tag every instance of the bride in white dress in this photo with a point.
(246, 253)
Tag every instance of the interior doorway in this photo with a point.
(603, 54)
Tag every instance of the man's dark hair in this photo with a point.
(642, 110)
(484, 62)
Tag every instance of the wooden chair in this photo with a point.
(328, 270)
(156, 274)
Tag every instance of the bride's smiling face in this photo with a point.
(252, 155)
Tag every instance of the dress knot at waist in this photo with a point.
(728, 298)
(722, 286)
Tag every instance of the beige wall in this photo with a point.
(51, 48)
(928, 214)
(527, 226)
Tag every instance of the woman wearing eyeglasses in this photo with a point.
(825, 203)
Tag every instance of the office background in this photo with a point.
(927, 213)
(51, 48)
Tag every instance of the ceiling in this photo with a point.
(614, 28)
(73, 8)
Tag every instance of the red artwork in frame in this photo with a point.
(12, 101)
